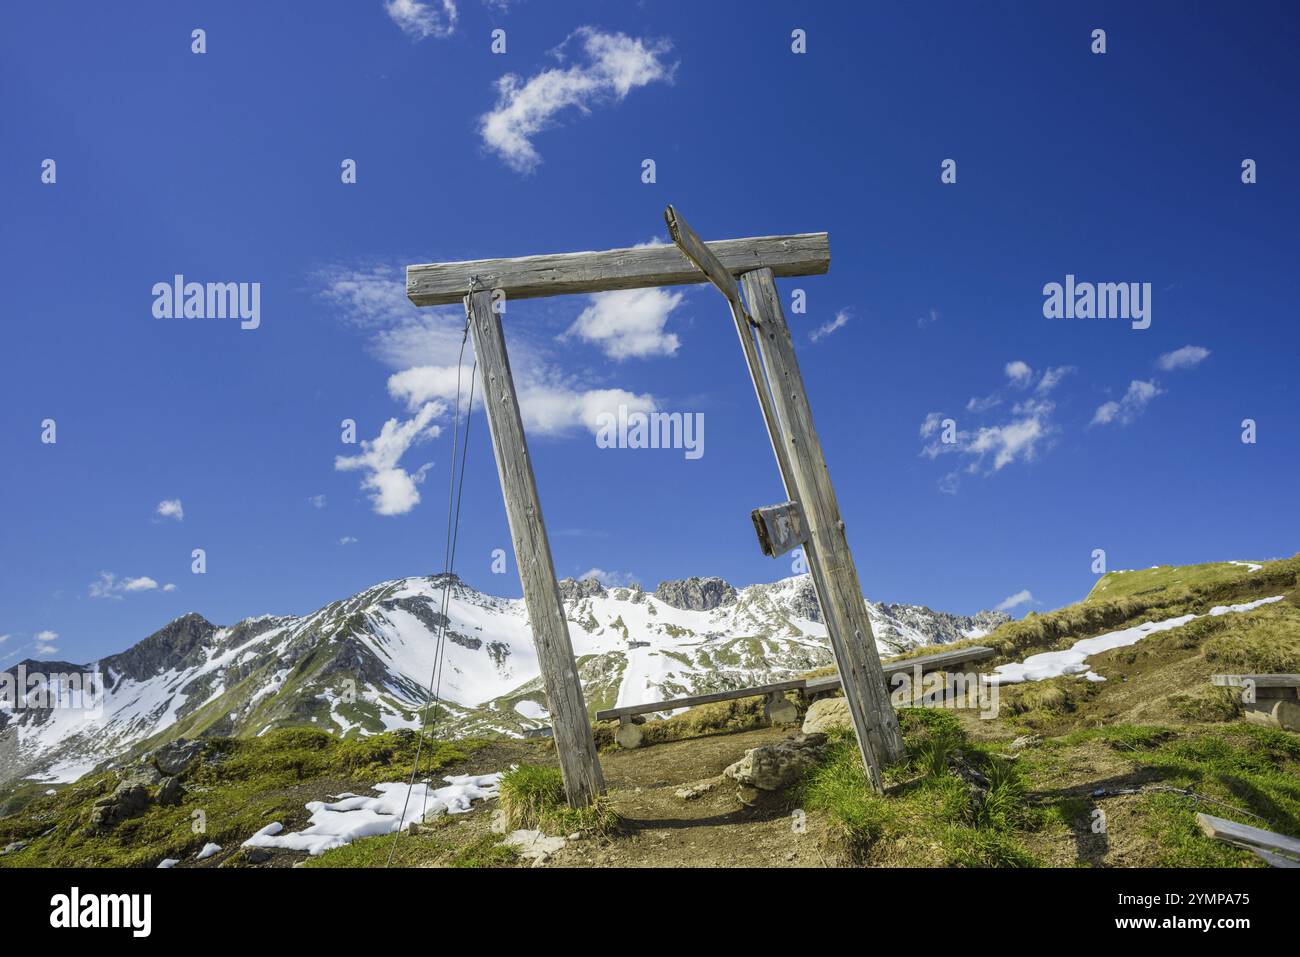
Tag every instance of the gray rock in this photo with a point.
(696, 594)
(176, 757)
(1025, 741)
(534, 845)
(826, 714)
(689, 792)
(774, 767)
(573, 589)
(13, 848)
(171, 792)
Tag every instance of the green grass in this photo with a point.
(930, 816)
(532, 798)
(240, 786)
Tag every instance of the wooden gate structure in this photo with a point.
(810, 517)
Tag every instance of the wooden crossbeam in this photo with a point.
(528, 277)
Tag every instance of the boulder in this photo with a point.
(826, 714)
(774, 767)
(171, 791)
(176, 757)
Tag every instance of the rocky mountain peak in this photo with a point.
(572, 589)
(696, 594)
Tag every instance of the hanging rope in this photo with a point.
(455, 494)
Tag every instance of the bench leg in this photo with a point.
(628, 734)
(780, 710)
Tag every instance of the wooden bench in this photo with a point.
(1276, 849)
(955, 660)
(1269, 700)
(778, 709)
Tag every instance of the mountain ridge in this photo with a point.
(361, 665)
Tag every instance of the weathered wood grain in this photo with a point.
(780, 528)
(575, 744)
(1244, 835)
(527, 277)
(834, 573)
(698, 252)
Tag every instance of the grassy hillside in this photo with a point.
(1068, 772)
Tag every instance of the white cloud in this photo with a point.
(435, 18)
(629, 323)
(110, 586)
(45, 642)
(1188, 357)
(1130, 406)
(1023, 597)
(616, 65)
(929, 319)
(392, 488)
(169, 587)
(609, 579)
(317, 501)
(1015, 439)
(1019, 373)
(825, 329)
(991, 448)
(1052, 378)
(931, 424)
(170, 508)
(347, 540)
(4, 638)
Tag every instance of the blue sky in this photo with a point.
(225, 167)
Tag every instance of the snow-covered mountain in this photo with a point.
(363, 665)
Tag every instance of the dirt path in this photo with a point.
(711, 830)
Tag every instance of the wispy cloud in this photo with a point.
(317, 501)
(608, 578)
(45, 642)
(170, 508)
(1023, 597)
(928, 319)
(1019, 436)
(615, 64)
(108, 585)
(423, 345)
(826, 328)
(1188, 357)
(347, 540)
(435, 18)
(1128, 408)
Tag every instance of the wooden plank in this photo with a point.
(941, 661)
(828, 553)
(574, 742)
(698, 252)
(1231, 832)
(927, 663)
(672, 704)
(527, 277)
(780, 528)
(1259, 681)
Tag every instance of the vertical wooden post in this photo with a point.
(573, 738)
(834, 573)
